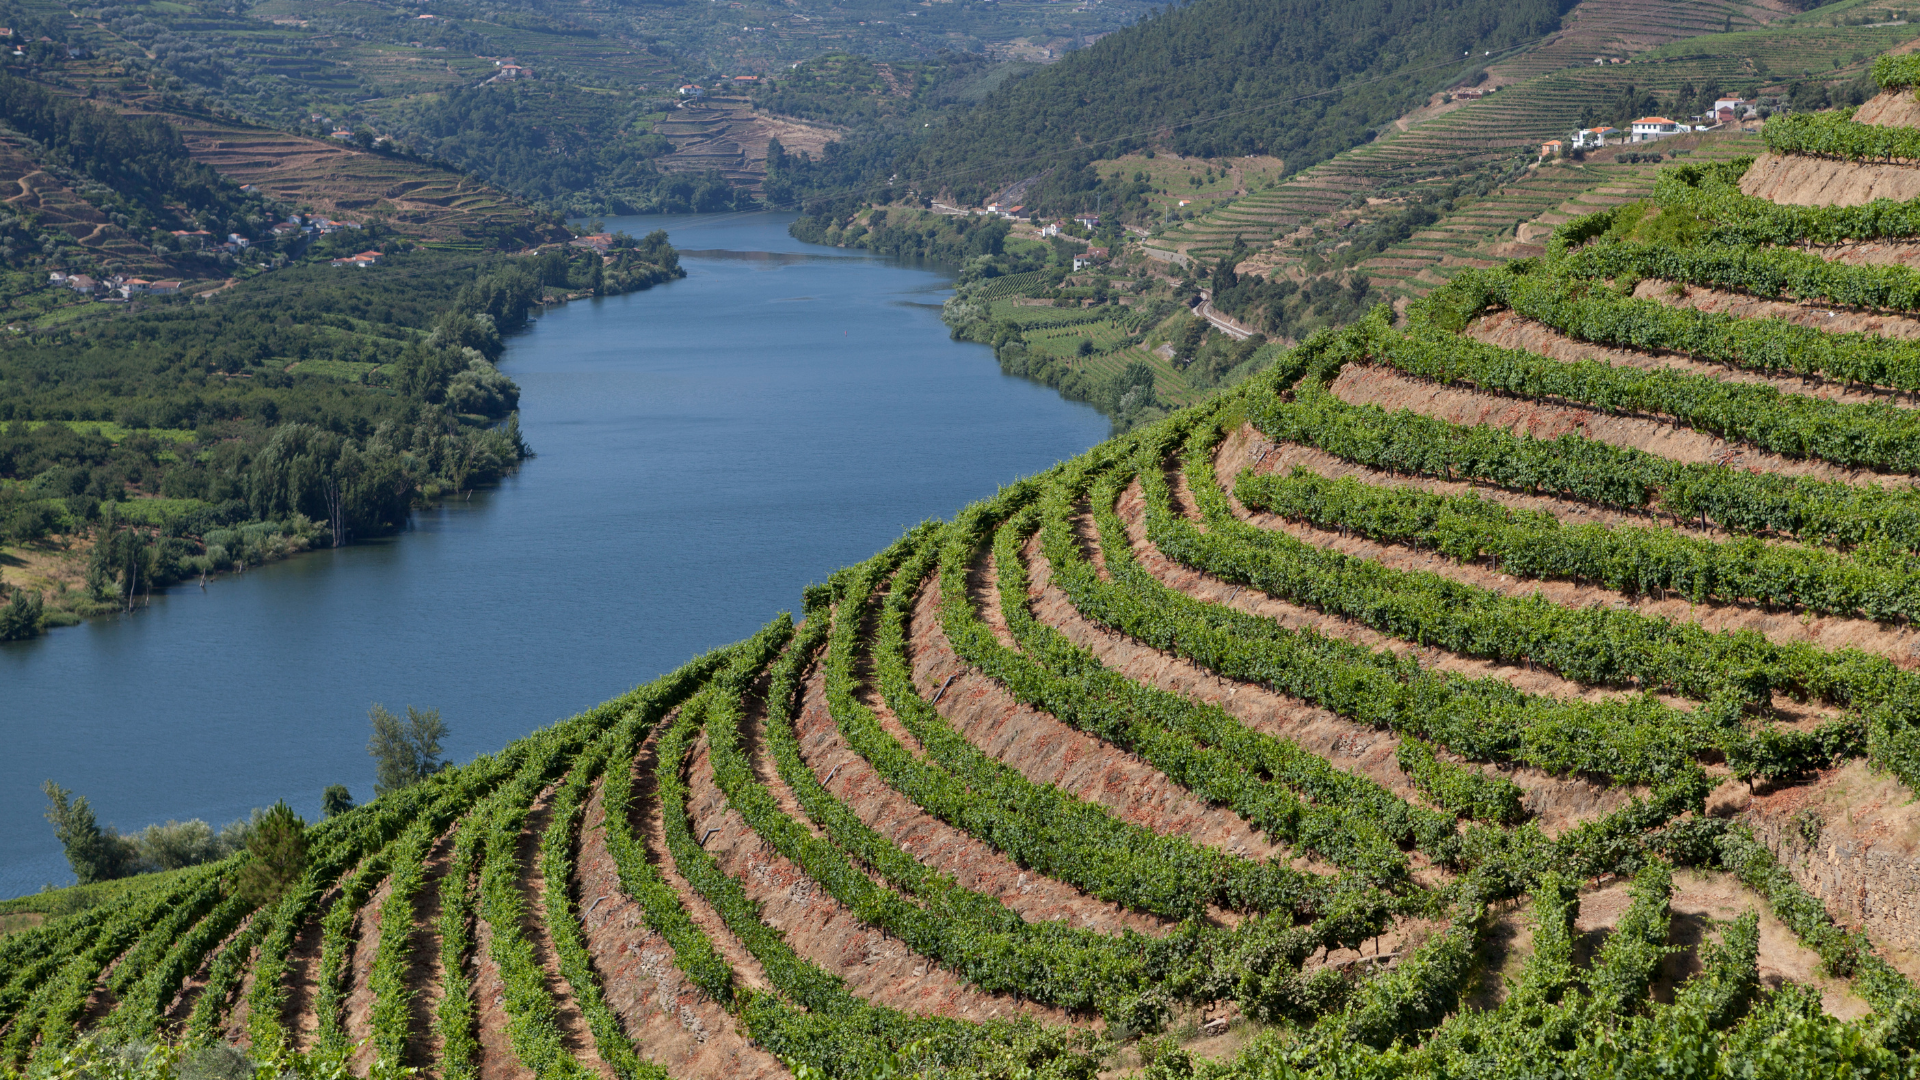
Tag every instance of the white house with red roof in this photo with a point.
(1649, 128)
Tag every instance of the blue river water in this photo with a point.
(705, 450)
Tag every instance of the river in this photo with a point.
(705, 449)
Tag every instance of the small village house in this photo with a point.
(1649, 128)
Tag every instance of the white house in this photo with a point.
(1649, 128)
(1594, 137)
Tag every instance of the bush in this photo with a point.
(180, 843)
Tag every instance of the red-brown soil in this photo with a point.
(1814, 181)
(1901, 644)
(177, 1011)
(671, 1021)
(1702, 901)
(497, 1059)
(1820, 316)
(1361, 384)
(357, 1003)
(1557, 803)
(533, 927)
(874, 965)
(974, 864)
(1512, 331)
(303, 976)
(1047, 751)
(1890, 108)
(424, 973)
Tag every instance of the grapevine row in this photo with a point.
(1634, 560)
(1887, 698)
(1036, 825)
(1585, 311)
(1052, 962)
(1859, 436)
(838, 1033)
(1835, 134)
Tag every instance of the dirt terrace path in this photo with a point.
(356, 1004)
(1899, 643)
(1511, 331)
(1701, 902)
(303, 974)
(1361, 384)
(874, 965)
(176, 1012)
(1363, 750)
(1248, 447)
(1820, 316)
(531, 883)
(424, 972)
(671, 1021)
(1047, 751)
(497, 1059)
(975, 864)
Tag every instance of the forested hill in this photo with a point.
(1254, 59)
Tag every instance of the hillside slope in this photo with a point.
(1531, 688)
(1486, 144)
(1297, 79)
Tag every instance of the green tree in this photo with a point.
(278, 844)
(406, 751)
(336, 800)
(20, 619)
(177, 844)
(95, 853)
(123, 558)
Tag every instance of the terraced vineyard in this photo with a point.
(1529, 689)
(1542, 94)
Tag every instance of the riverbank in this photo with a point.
(323, 438)
(782, 411)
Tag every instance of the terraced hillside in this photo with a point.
(1545, 93)
(1529, 689)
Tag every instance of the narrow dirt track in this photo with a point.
(671, 1021)
(1048, 751)
(177, 1010)
(1512, 331)
(1899, 643)
(875, 966)
(356, 1005)
(975, 864)
(1247, 447)
(303, 976)
(424, 972)
(1804, 313)
(497, 1059)
(1364, 385)
(532, 885)
(1357, 748)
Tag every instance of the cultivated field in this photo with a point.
(1530, 687)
